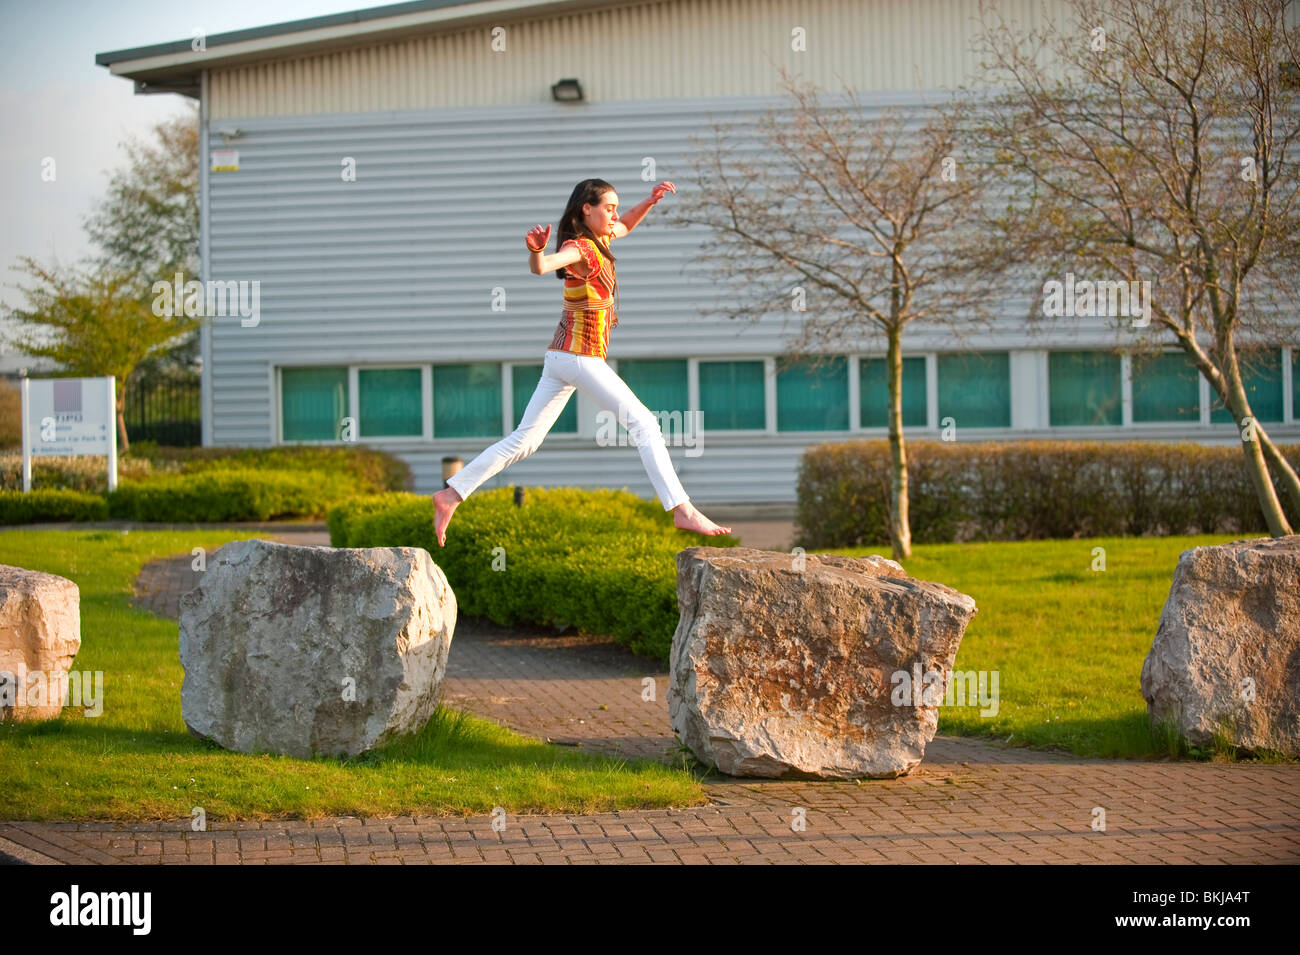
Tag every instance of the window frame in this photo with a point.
(277, 390)
(1124, 413)
(1010, 426)
(849, 366)
(580, 438)
(769, 394)
(354, 403)
(855, 393)
(426, 395)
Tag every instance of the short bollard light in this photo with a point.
(450, 465)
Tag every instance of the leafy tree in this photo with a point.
(99, 320)
(93, 324)
(148, 223)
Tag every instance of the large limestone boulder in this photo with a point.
(40, 634)
(312, 651)
(802, 665)
(1226, 656)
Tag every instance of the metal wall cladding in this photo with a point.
(683, 49)
(420, 257)
(457, 151)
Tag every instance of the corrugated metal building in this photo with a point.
(401, 297)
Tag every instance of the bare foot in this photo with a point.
(444, 502)
(688, 518)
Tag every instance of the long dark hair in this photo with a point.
(572, 222)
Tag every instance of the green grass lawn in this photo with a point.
(137, 761)
(1067, 641)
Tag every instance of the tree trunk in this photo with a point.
(1251, 446)
(1227, 385)
(123, 444)
(900, 531)
(1283, 467)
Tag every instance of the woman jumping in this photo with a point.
(576, 358)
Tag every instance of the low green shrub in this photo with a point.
(372, 471)
(234, 494)
(209, 485)
(1027, 490)
(82, 472)
(604, 561)
(51, 504)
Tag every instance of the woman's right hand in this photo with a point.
(537, 237)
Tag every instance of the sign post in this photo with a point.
(63, 417)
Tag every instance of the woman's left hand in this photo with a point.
(659, 191)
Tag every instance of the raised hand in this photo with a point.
(662, 189)
(537, 237)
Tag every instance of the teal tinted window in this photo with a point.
(313, 403)
(1166, 387)
(1083, 388)
(467, 400)
(390, 402)
(873, 393)
(812, 397)
(732, 395)
(661, 385)
(1261, 376)
(523, 382)
(975, 390)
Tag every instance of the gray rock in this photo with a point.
(1226, 656)
(40, 636)
(307, 651)
(777, 670)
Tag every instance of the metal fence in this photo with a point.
(167, 412)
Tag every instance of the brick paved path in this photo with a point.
(970, 801)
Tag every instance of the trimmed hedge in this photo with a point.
(604, 561)
(81, 472)
(215, 496)
(1028, 489)
(48, 504)
(372, 471)
(206, 485)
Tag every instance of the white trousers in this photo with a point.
(562, 373)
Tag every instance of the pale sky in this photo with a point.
(55, 102)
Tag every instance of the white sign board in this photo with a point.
(68, 416)
(225, 160)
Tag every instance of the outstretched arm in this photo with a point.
(539, 263)
(630, 219)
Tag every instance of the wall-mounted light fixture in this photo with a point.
(566, 91)
(228, 133)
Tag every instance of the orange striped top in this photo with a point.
(589, 304)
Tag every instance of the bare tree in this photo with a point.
(1155, 141)
(850, 221)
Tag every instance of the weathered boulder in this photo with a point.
(792, 664)
(40, 634)
(307, 651)
(1226, 656)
